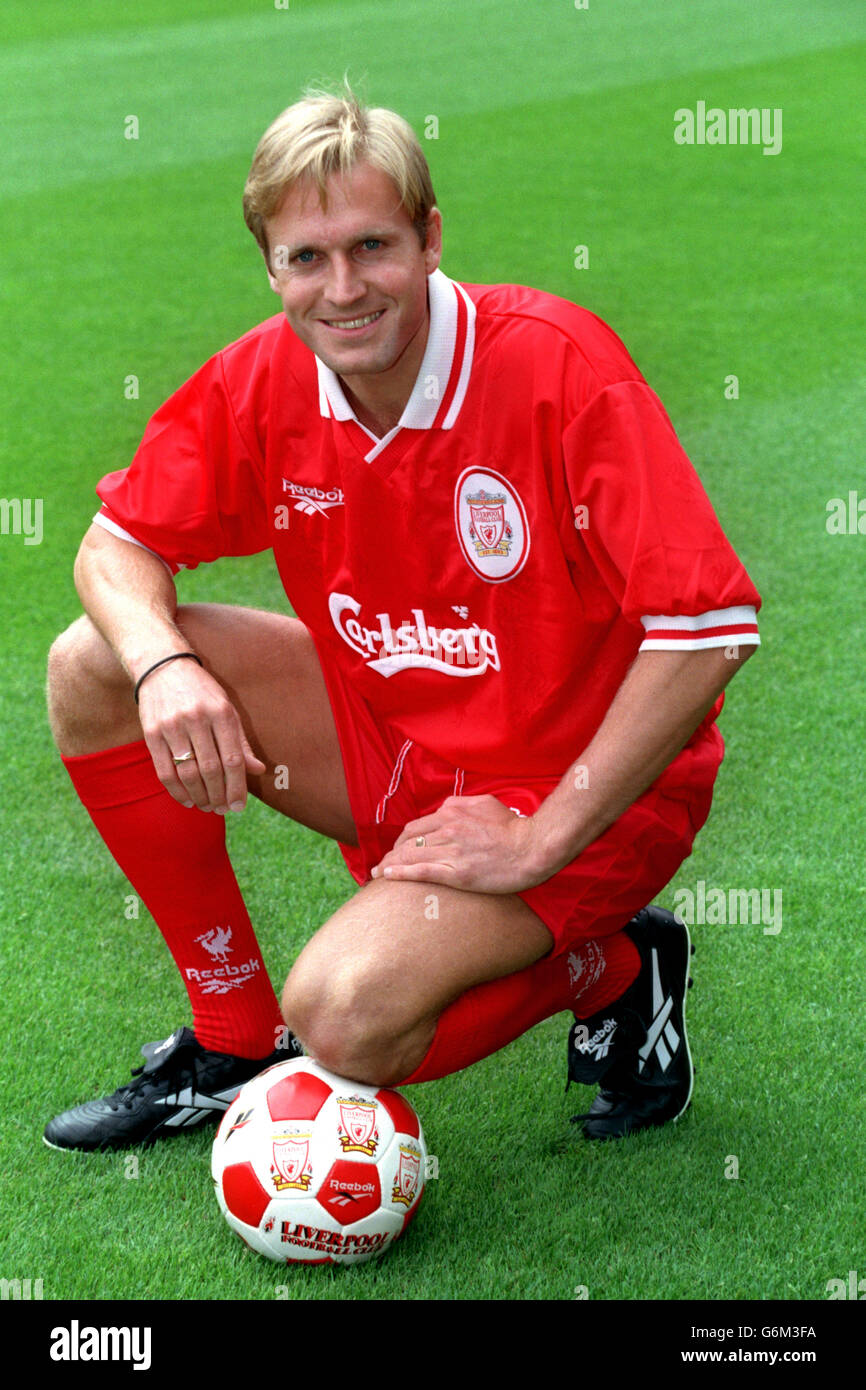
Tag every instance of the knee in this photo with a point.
(346, 1023)
(84, 684)
(80, 651)
(62, 676)
(63, 653)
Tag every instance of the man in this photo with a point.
(516, 613)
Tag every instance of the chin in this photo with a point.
(351, 363)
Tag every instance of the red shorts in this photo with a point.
(393, 780)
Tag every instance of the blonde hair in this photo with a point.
(324, 134)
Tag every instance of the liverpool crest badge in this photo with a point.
(357, 1130)
(491, 524)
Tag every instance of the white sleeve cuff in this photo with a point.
(722, 627)
(112, 527)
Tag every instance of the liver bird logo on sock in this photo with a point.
(216, 942)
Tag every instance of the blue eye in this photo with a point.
(305, 257)
(372, 243)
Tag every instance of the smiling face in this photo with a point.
(352, 278)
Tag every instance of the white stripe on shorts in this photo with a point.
(394, 783)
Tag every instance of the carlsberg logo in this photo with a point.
(455, 651)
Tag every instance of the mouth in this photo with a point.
(353, 326)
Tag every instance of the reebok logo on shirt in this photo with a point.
(455, 651)
(313, 499)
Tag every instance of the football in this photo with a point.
(310, 1168)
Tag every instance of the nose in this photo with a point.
(344, 285)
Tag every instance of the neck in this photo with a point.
(379, 398)
(379, 415)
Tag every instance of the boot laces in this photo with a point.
(180, 1067)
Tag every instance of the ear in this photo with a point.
(433, 249)
(272, 279)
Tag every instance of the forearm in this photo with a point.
(661, 702)
(129, 595)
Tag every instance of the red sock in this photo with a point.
(485, 1018)
(177, 862)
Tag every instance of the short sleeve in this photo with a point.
(649, 529)
(195, 490)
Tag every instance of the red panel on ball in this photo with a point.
(351, 1191)
(401, 1112)
(298, 1097)
(244, 1195)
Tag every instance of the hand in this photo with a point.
(183, 709)
(472, 842)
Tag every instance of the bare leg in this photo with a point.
(268, 665)
(366, 991)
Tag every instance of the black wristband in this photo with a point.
(175, 656)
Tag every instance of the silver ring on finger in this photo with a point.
(183, 757)
(420, 841)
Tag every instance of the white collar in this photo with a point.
(444, 374)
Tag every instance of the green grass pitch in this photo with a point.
(128, 258)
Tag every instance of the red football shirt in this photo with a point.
(485, 574)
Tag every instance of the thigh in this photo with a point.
(400, 952)
(267, 663)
